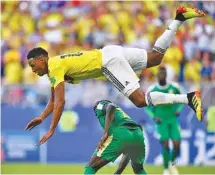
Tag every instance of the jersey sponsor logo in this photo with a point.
(52, 80)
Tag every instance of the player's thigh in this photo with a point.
(137, 58)
(136, 148)
(163, 131)
(175, 131)
(118, 70)
(113, 147)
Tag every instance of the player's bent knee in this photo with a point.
(140, 104)
(89, 170)
(138, 98)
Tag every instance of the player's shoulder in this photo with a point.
(152, 87)
(54, 62)
(175, 85)
(104, 103)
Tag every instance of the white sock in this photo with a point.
(164, 41)
(159, 98)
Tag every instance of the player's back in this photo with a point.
(120, 117)
(81, 65)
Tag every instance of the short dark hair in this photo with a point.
(36, 52)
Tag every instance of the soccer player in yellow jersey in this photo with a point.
(117, 64)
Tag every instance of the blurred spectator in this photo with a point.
(207, 69)
(190, 46)
(13, 67)
(192, 70)
(173, 57)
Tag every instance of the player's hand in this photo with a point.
(36, 121)
(46, 137)
(103, 139)
(157, 120)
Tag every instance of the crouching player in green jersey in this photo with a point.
(121, 135)
(165, 118)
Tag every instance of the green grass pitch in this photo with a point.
(34, 168)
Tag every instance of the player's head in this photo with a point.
(38, 60)
(96, 104)
(162, 75)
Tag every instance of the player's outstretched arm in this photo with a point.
(59, 101)
(50, 106)
(48, 110)
(109, 110)
(123, 163)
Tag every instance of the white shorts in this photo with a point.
(120, 64)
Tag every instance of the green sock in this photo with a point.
(174, 155)
(166, 157)
(89, 170)
(142, 172)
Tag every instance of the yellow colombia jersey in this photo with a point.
(74, 67)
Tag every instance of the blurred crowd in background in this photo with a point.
(70, 26)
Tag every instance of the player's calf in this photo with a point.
(154, 58)
(94, 165)
(176, 150)
(138, 168)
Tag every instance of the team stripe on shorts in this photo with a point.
(113, 79)
(106, 143)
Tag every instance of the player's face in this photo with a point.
(38, 66)
(162, 75)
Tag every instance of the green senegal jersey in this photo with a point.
(166, 112)
(120, 117)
